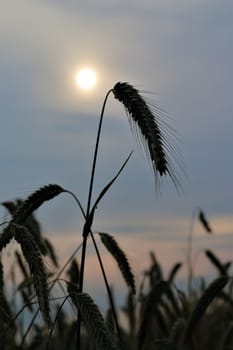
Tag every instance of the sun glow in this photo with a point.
(86, 79)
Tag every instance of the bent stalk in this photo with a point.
(85, 235)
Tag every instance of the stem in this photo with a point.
(28, 329)
(189, 253)
(95, 153)
(80, 289)
(82, 266)
(54, 323)
(107, 287)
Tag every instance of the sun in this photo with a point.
(86, 79)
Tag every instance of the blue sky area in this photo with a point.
(179, 51)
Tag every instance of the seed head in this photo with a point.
(153, 137)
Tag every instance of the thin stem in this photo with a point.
(189, 252)
(95, 153)
(67, 263)
(83, 257)
(107, 287)
(29, 327)
(80, 289)
(54, 323)
(77, 201)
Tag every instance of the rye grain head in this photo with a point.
(92, 319)
(34, 201)
(34, 259)
(117, 253)
(154, 138)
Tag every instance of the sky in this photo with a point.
(180, 54)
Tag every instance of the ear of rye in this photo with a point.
(33, 257)
(154, 140)
(92, 318)
(35, 200)
(121, 259)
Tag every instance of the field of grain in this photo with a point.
(157, 314)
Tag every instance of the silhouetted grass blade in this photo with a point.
(151, 303)
(210, 293)
(216, 262)
(174, 271)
